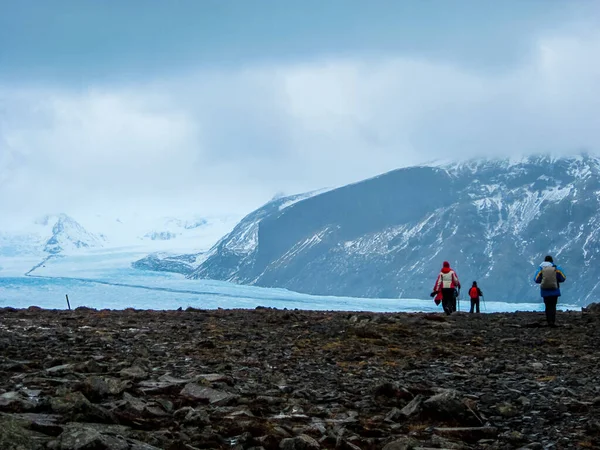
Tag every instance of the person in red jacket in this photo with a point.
(447, 283)
(474, 294)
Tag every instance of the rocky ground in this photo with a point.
(277, 379)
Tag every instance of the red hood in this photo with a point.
(446, 269)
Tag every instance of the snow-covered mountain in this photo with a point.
(494, 220)
(69, 235)
(50, 234)
(27, 243)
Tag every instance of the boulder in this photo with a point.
(446, 405)
(593, 308)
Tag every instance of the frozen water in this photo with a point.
(160, 293)
(105, 280)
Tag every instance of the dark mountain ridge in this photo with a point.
(387, 236)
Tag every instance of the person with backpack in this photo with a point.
(447, 283)
(474, 294)
(549, 276)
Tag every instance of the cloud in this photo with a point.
(226, 140)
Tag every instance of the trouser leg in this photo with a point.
(550, 303)
(447, 296)
(472, 306)
(477, 305)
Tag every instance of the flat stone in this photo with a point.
(196, 392)
(60, 370)
(215, 377)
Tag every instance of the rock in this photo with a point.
(44, 423)
(514, 437)
(61, 369)
(507, 409)
(197, 418)
(17, 402)
(97, 388)
(405, 443)
(215, 378)
(81, 437)
(68, 402)
(91, 366)
(137, 445)
(13, 436)
(386, 389)
(194, 392)
(537, 366)
(414, 407)
(76, 407)
(302, 442)
(133, 373)
(165, 385)
(593, 308)
(446, 405)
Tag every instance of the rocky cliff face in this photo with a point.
(494, 220)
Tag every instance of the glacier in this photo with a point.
(104, 279)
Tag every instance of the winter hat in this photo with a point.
(446, 264)
(548, 259)
(474, 283)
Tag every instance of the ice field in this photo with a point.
(105, 280)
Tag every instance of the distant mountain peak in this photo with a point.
(68, 234)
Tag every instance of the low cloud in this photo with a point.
(217, 141)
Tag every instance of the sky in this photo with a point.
(213, 107)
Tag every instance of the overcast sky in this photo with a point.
(213, 107)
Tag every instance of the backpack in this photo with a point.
(474, 292)
(549, 279)
(446, 279)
